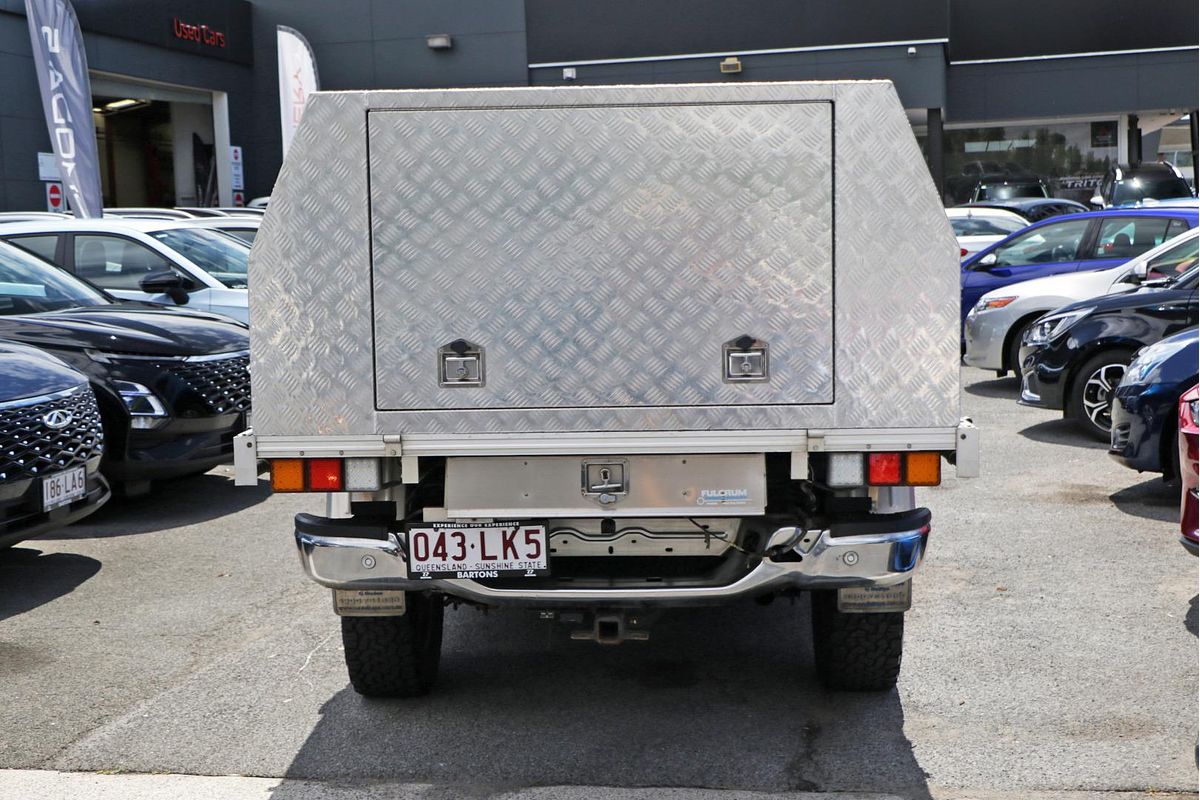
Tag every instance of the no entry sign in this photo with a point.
(54, 197)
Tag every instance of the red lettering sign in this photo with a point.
(200, 34)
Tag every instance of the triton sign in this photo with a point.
(202, 34)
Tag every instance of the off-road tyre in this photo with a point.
(1078, 403)
(855, 652)
(395, 656)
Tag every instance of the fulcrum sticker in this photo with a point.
(723, 497)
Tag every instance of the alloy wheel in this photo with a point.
(1098, 394)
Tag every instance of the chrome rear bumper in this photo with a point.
(871, 559)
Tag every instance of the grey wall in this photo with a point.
(919, 79)
(1073, 86)
(379, 44)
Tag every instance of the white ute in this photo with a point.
(592, 351)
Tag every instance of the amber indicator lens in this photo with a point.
(923, 469)
(287, 475)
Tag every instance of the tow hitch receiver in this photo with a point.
(611, 628)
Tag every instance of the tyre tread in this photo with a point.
(856, 652)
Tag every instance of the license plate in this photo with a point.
(867, 599)
(478, 551)
(62, 488)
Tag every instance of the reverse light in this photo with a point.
(324, 474)
(883, 469)
(362, 474)
(845, 469)
(287, 475)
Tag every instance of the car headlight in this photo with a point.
(1051, 326)
(144, 407)
(989, 303)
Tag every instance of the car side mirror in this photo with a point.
(1097, 201)
(989, 260)
(166, 282)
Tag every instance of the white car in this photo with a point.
(976, 228)
(996, 324)
(167, 261)
(241, 228)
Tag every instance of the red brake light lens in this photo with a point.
(883, 469)
(325, 474)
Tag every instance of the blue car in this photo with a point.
(1146, 404)
(1073, 243)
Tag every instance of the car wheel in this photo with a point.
(395, 656)
(1014, 345)
(1092, 392)
(855, 652)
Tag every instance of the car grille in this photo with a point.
(29, 447)
(224, 383)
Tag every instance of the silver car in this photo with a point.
(996, 325)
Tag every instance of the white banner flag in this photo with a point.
(62, 75)
(297, 79)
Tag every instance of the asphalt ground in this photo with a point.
(1051, 652)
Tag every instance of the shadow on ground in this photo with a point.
(718, 698)
(1191, 620)
(171, 504)
(1151, 499)
(1003, 388)
(30, 578)
(1061, 431)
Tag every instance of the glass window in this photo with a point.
(42, 246)
(221, 256)
(974, 226)
(1176, 227)
(242, 234)
(1126, 237)
(1135, 189)
(1007, 191)
(1057, 241)
(1175, 261)
(29, 285)
(114, 262)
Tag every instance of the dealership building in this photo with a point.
(186, 92)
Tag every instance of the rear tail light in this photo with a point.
(962, 252)
(883, 469)
(325, 475)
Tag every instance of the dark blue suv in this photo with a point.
(1072, 243)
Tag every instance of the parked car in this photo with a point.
(1145, 406)
(1078, 373)
(1033, 209)
(148, 213)
(976, 228)
(51, 443)
(997, 322)
(1189, 470)
(167, 261)
(244, 229)
(1005, 187)
(1090, 241)
(1123, 185)
(173, 385)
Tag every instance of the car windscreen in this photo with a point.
(1007, 191)
(219, 255)
(977, 226)
(1132, 190)
(29, 285)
